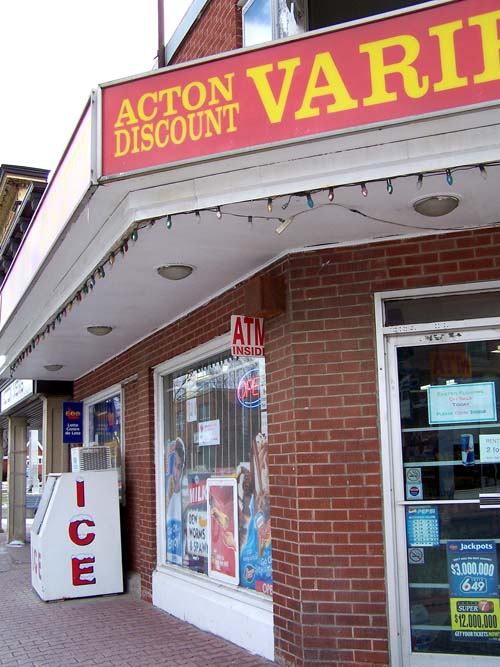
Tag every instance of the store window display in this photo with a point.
(217, 509)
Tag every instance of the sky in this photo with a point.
(54, 52)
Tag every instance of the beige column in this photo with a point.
(1, 476)
(55, 452)
(18, 437)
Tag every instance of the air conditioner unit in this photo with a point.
(91, 458)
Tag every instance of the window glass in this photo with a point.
(291, 18)
(104, 428)
(323, 14)
(264, 20)
(447, 308)
(216, 429)
(257, 22)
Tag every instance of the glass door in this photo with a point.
(445, 420)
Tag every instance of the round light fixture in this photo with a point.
(436, 205)
(53, 367)
(99, 330)
(175, 271)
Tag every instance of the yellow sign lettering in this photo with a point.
(488, 24)
(446, 36)
(380, 70)
(274, 107)
(126, 114)
(325, 66)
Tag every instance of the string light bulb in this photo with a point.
(198, 216)
(89, 283)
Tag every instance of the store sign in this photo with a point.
(424, 62)
(461, 403)
(72, 422)
(473, 582)
(248, 390)
(247, 336)
(15, 393)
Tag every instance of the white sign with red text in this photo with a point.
(75, 538)
(247, 336)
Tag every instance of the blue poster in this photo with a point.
(422, 526)
(73, 422)
(472, 568)
(256, 554)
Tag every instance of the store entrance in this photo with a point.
(445, 421)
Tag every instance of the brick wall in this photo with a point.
(218, 29)
(328, 556)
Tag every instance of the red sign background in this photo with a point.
(424, 62)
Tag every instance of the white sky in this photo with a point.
(54, 52)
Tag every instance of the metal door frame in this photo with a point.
(388, 339)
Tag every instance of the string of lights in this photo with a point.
(311, 199)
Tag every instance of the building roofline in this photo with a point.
(192, 14)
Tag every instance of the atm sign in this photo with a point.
(247, 336)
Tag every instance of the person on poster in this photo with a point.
(254, 518)
(175, 467)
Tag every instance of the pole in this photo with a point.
(1, 477)
(161, 34)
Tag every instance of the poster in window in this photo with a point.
(473, 581)
(223, 549)
(196, 524)
(255, 520)
(174, 473)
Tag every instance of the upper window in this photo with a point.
(216, 484)
(265, 20)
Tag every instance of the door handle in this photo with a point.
(488, 501)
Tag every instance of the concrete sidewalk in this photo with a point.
(107, 631)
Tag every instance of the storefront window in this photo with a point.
(216, 475)
(104, 423)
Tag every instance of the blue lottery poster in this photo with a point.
(422, 526)
(473, 580)
(472, 568)
(73, 422)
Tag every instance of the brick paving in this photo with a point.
(104, 631)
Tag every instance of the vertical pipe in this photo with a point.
(161, 35)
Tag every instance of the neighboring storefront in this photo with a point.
(328, 496)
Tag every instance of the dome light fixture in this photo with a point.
(53, 367)
(436, 205)
(99, 330)
(175, 271)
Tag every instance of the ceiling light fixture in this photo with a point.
(53, 367)
(99, 330)
(436, 205)
(175, 271)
